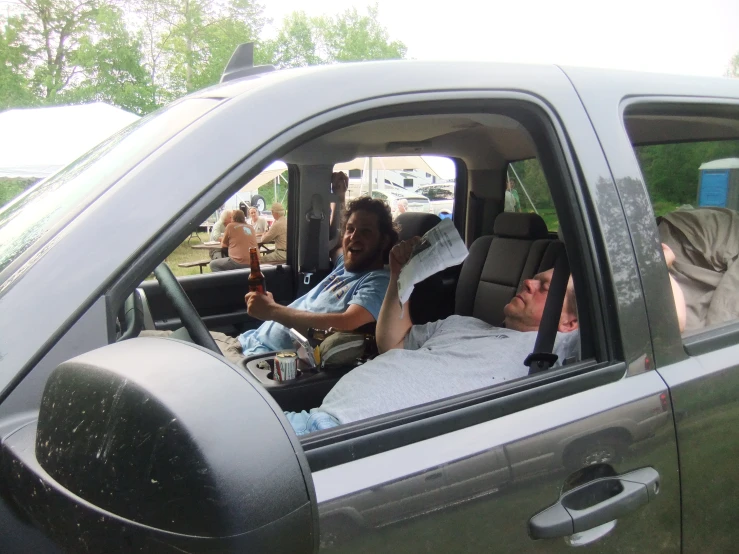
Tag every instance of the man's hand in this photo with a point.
(261, 306)
(400, 254)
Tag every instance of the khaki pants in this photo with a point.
(224, 264)
(230, 347)
(275, 257)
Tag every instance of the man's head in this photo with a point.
(277, 210)
(369, 234)
(253, 213)
(509, 184)
(402, 205)
(525, 311)
(226, 217)
(238, 216)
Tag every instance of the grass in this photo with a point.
(186, 253)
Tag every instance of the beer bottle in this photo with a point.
(256, 278)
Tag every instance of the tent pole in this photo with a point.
(524, 188)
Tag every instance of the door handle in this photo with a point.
(595, 503)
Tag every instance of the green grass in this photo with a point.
(186, 253)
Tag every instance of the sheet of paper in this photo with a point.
(440, 248)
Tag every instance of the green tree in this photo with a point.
(349, 36)
(733, 69)
(14, 85)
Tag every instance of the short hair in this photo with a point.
(239, 217)
(277, 207)
(225, 215)
(404, 201)
(384, 219)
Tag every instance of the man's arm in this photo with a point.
(394, 321)
(224, 240)
(339, 185)
(273, 231)
(677, 291)
(263, 306)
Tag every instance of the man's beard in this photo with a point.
(365, 262)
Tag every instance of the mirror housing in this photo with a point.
(156, 445)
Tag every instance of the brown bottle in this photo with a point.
(256, 277)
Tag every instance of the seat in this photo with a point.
(415, 224)
(497, 264)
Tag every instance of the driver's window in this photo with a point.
(255, 201)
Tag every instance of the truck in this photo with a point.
(113, 442)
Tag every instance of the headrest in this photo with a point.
(415, 224)
(520, 226)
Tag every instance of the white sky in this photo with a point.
(669, 36)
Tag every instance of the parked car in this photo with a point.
(416, 202)
(111, 442)
(441, 196)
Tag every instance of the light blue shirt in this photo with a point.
(332, 295)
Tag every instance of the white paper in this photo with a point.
(440, 248)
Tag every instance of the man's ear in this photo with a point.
(567, 323)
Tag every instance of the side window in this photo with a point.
(693, 185)
(527, 191)
(256, 201)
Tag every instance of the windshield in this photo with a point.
(50, 204)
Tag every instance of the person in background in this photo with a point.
(220, 227)
(277, 234)
(239, 237)
(402, 206)
(512, 200)
(259, 223)
(244, 209)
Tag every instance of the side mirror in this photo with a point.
(155, 445)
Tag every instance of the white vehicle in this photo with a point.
(416, 202)
(441, 196)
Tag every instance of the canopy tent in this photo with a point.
(394, 163)
(36, 142)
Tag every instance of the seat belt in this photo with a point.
(542, 358)
(314, 216)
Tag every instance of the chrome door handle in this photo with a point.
(595, 503)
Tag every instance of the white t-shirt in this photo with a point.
(440, 359)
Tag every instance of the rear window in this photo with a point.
(528, 191)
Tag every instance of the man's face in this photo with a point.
(363, 245)
(525, 311)
(229, 218)
(253, 213)
(402, 207)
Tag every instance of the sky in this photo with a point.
(673, 36)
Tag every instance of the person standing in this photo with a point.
(239, 237)
(259, 223)
(402, 206)
(277, 234)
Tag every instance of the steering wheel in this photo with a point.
(184, 308)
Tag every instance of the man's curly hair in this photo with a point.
(384, 219)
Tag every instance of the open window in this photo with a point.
(689, 155)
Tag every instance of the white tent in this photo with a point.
(36, 142)
(395, 163)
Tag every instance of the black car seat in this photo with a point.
(433, 298)
(496, 266)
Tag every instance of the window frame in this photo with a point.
(699, 341)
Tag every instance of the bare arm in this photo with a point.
(394, 321)
(677, 291)
(263, 306)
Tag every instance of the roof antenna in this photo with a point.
(241, 64)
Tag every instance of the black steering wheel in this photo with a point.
(184, 308)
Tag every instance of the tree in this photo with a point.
(349, 36)
(14, 86)
(733, 69)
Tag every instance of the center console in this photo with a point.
(304, 392)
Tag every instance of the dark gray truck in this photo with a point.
(117, 443)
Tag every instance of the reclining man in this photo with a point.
(349, 297)
(423, 363)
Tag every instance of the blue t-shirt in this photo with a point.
(332, 295)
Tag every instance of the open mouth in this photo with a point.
(354, 250)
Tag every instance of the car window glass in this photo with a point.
(266, 193)
(694, 189)
(529, 192)
(59, 197)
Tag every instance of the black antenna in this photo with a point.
(241, 64)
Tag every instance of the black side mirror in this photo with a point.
(155, 445)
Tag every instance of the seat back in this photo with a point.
(415, 224)
(496, 266)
